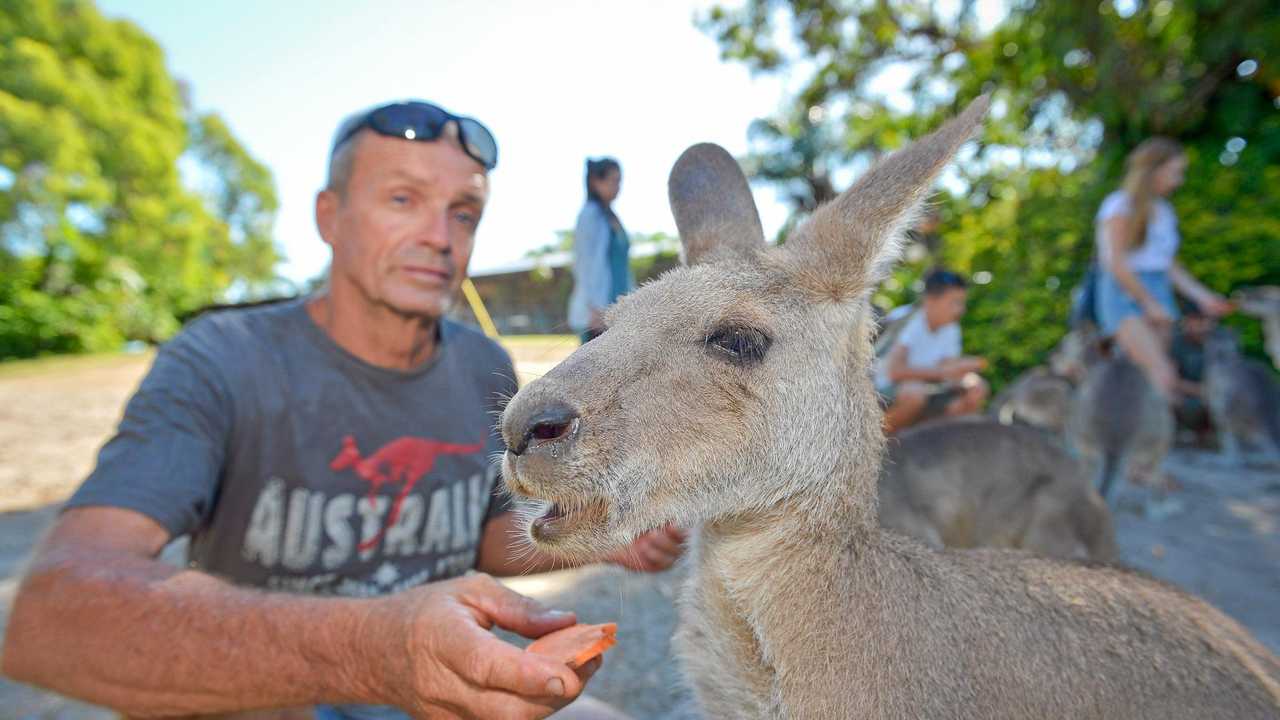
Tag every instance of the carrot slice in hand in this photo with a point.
(576, 645)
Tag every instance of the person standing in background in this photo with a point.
(601, 251)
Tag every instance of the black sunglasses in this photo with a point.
(422, 121)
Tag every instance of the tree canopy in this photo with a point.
(121, 207)
(1076, 86)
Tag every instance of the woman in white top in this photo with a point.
(1137, 235)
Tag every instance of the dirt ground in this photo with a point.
(1224, 545)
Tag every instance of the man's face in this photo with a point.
(946, 307)
(404, 231)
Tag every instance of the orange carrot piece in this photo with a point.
(576, 645)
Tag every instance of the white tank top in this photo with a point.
(1162, 239)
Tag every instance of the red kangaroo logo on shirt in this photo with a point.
(404, 460)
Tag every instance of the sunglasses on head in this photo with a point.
(422, 121)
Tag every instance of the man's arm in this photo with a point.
(99, 618)
(505, 551)
(900, 371)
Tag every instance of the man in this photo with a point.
(924, 373)
(335, 446)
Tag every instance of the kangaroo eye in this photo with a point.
(739, 345)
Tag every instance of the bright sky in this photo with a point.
(555, 81)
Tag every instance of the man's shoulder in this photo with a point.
(473, 344)
(270, 310)
(913, 327)
(236, 330)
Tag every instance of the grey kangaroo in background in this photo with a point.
(974, 482)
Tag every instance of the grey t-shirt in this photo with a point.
(296, 466)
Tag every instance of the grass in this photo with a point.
(527, 341)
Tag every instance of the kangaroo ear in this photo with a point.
(712, 204)
(849, 243)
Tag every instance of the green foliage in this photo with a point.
(100, 238)
(1076, 86)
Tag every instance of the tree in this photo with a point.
(1076, 86)
(100, 240)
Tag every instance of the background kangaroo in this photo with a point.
(1120, 425)
(1264, 304)
(1042, 396)
(974, 482)
(1038, 398)
(734, 395)
(1243, 400)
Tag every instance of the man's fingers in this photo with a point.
(512, 611)
(586, 671)
(664, 541)
(657, 558)
(506, 667)
(499, 704)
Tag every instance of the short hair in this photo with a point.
(942, 280)
(342, 156)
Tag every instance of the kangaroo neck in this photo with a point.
(796, 535)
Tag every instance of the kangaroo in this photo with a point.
(1042, 396)
(1120, 424)
(974, 482)
(734, 396)
(1243, 400)
(1038, 398)
(1264, 304)
(1078, 350)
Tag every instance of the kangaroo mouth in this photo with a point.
(554, 522)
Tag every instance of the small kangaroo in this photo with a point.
(1243, 400)
(1038, 398)
(1041, 397)
(974, 482)
(1120, 424)
(734, 395)
(1264, 304)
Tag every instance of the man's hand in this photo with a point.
(654, 551)
(437, 657)
(956, 369)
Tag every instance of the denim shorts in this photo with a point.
(1113, 304)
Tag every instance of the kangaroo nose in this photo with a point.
(552, 422)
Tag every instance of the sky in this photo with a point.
(556, 81)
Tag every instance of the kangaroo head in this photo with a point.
(731, 384)
(1258, 301)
